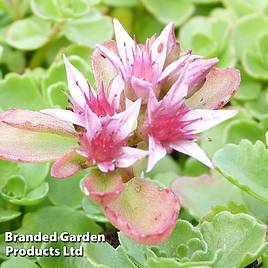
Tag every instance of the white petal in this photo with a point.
(129, 156)
(65, 115)
(160, 45)
(192, 149)
(125, 44)
(208, 118)
(116, 89)
(128, 119)
(93, 123)
(174, 67)
(77, 83)
(156, 152)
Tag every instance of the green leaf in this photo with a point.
(254, 65)
(199, 194)
(206, 35)
(59, 10)
(243, 129)
(66, 192)
(93, 211)
(249, 89)
(137, 253)
(185, 243)
(258, 107)
(28, 34)
(230, 206)
(245, 165)
(20, 91)
(194, 168)
(57, 219)
(77, 31)
(248, 29)
(104, 255)
(15, 192)
(8, 211)
(206, 2)
(13, 59)
(176, 11)
(240, 236)
(63, 261)
(152, 26)
(256, 207)
(30, 171)
(19, 262)
(121, 3)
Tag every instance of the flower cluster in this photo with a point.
(150, 100)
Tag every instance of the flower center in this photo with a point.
(167, 124)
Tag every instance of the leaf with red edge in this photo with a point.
(219, 87)
(101, 187)
(144, 212)
(102, 67)
(67, 165)
(37, 122)
(24, 145)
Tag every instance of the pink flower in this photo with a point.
(105, 141)
(82, 95)
(171, 125)
(149, 68)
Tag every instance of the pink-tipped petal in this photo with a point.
(125, 44)
(129, 156)
(152, 105)
(65, 115)
(103, 188)
(115, 91)
(128, 119)
(102, 67)
(207, 118)
(144, 212)
(77, 83)
(192, 149)
(36, 121)
(93, 123)
(156, 153)
(160, 46)
(174, 67)
(67, 165)
(24, 145)
(220, 86)
(141, 88)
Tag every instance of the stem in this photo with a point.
(39, 56)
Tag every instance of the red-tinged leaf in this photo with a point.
(103, 188)
(144, 212)
(37, 122)
(219, 87)
(67, 165)
(24, 145)
(102, 67)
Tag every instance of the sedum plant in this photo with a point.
(151, 99)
